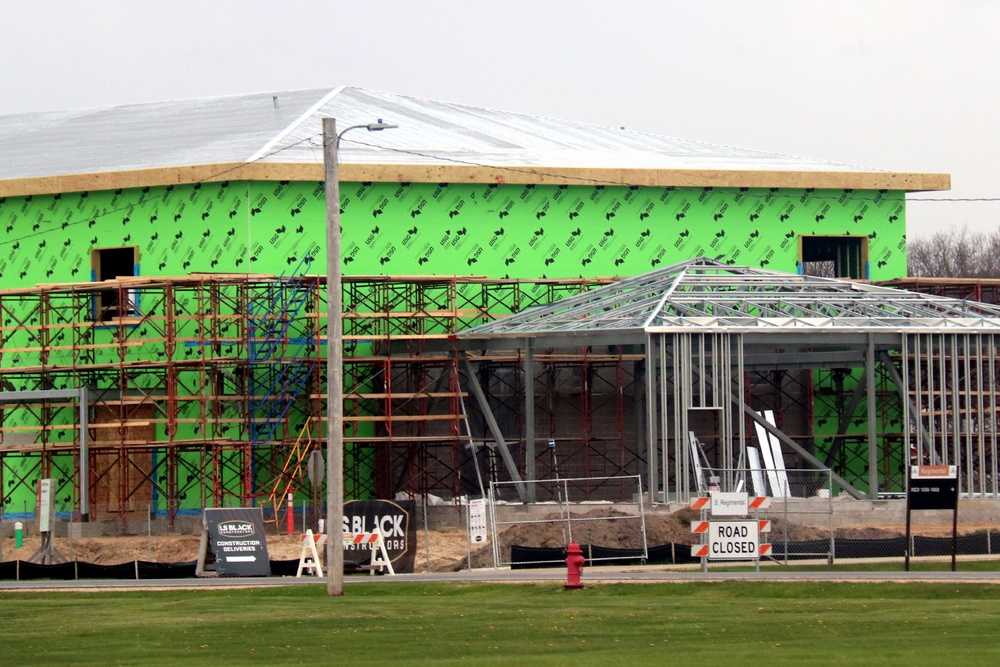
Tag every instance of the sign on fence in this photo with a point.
(477, 521)
(733, 540)
(46, 506)
(729, 503)
(392, 520)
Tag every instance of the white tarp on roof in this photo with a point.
(145, 136)
(252, 127)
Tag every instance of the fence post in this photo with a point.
(785, 504)
(829, 506)
(427, 534)
(69, 535)
(149, 533)
(468, 542)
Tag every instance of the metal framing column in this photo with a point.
(529, 416)
(84, 456)
(872, 419)
(653, 467)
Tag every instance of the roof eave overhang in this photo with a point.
(464, 173)
(754, 336)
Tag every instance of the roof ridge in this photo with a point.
(295, 123)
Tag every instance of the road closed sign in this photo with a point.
(733, 540)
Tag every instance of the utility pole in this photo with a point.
(334, 367)
(335, 356)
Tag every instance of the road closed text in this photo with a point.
(742, 549)
(733, 540)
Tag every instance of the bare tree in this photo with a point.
(956, 253)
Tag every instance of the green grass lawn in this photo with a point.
(885, 565)
(510, 624)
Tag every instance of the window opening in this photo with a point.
(110, 263)
(834, 256)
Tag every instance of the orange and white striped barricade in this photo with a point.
(700, 503)
(765, 547)
(380, 557)
(700, 528)
(309, 556)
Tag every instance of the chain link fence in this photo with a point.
(532, 522)
(611, 518)
(813, 519)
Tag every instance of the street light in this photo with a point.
(335, 355)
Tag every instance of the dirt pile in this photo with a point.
(158, 549)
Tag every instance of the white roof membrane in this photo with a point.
(252, 127)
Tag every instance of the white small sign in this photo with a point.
(477, 520)
(46, 507)
(733, 540)
(726, 503)
(931, 472)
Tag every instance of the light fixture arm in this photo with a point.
(371, 127)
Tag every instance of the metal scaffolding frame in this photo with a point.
(171, 385)
(189, 397)
(615, 373)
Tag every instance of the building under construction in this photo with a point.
(163, 325)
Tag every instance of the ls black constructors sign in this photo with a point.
(933, 487)
(393, 520)
(236, 535)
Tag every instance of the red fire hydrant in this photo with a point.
(574, 565)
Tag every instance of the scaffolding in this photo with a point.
(209, 390)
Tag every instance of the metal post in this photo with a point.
(84, 457)
(653, 476)
(334, 367)
(335, 355)
(149, 532)
(529, 417)
(908, 547)
(427, 534)
(872, 420)
(559, 494)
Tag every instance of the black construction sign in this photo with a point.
(933, 488)
(393, 520)
(236, 536)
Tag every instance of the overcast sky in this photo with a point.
(904, 86)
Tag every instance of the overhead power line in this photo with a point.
(771, 192)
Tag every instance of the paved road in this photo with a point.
(591, 576)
